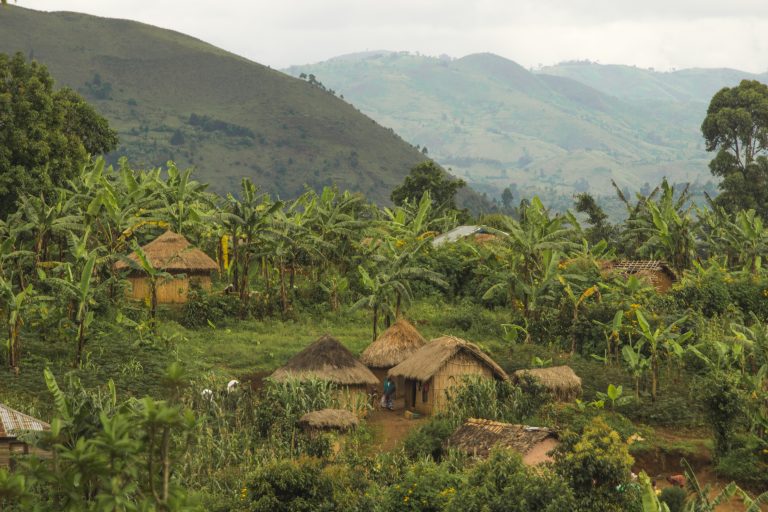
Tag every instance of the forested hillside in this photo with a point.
(566, 128)
(171, 96)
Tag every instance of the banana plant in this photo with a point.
(661, 338)
(14, 304)
(637, 363)
(612, 333)
(80, 288)
(154, 275)
(615, 395)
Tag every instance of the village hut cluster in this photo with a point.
(424, 373)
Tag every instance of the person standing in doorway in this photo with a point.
(389, 393)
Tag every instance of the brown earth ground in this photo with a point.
(391, 427)
(659, 464)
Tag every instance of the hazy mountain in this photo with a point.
(171, 96)
(566, 128)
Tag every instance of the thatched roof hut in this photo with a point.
(429, 359)
(12, 424)
(561, 381)
(476, 438)
(439, 365)
(394, 346)
(327, 359)
(329, 419)
(658, 273)
(173, 254)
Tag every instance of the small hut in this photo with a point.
(437, 366)
(658, 273)
(476, 438)
(393, 347)
(561, 381)
(339, 420)
(327, 359)
(173, 254)
(13, 424)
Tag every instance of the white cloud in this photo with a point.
(652, 33)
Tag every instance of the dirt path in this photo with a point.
(390, 427)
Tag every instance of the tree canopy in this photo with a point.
(736, 127)
(45, 135)
(427, 176)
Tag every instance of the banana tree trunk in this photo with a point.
(283, 293)
(375, 320)
(80, 342)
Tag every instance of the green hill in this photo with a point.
(631, 83)
(565, 129)
(171, 96)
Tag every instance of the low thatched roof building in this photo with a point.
(393, 347)
(13, 424)
(327, 359)
(476, 438)
(658, 273)
(561, 381)
(173, 254)
(440, 364)
(329, 419)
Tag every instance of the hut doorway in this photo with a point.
(411, 393)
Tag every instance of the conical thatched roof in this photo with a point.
(329, 360)
(562, 381)
(394, 346)
(476, 437)
(173, 253)
(329, 419)
(427, 361)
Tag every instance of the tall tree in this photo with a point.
(45, 136)
(736, 127)
(427, 176)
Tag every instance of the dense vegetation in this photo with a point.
(141, 418)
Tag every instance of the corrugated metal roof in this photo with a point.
(456, 234)
(13, 422)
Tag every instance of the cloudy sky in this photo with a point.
(663, 34)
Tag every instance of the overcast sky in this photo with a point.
(663, 34)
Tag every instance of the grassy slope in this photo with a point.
(159, 77)
(480, 114)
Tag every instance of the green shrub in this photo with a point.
(674, 497)
(291, 486)
(427, 440)
(597, 465)
(203, 309)
(425, 487)
(746, 464)
(502, 483)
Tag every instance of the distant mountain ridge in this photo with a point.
(562, 129)
(171, 96)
